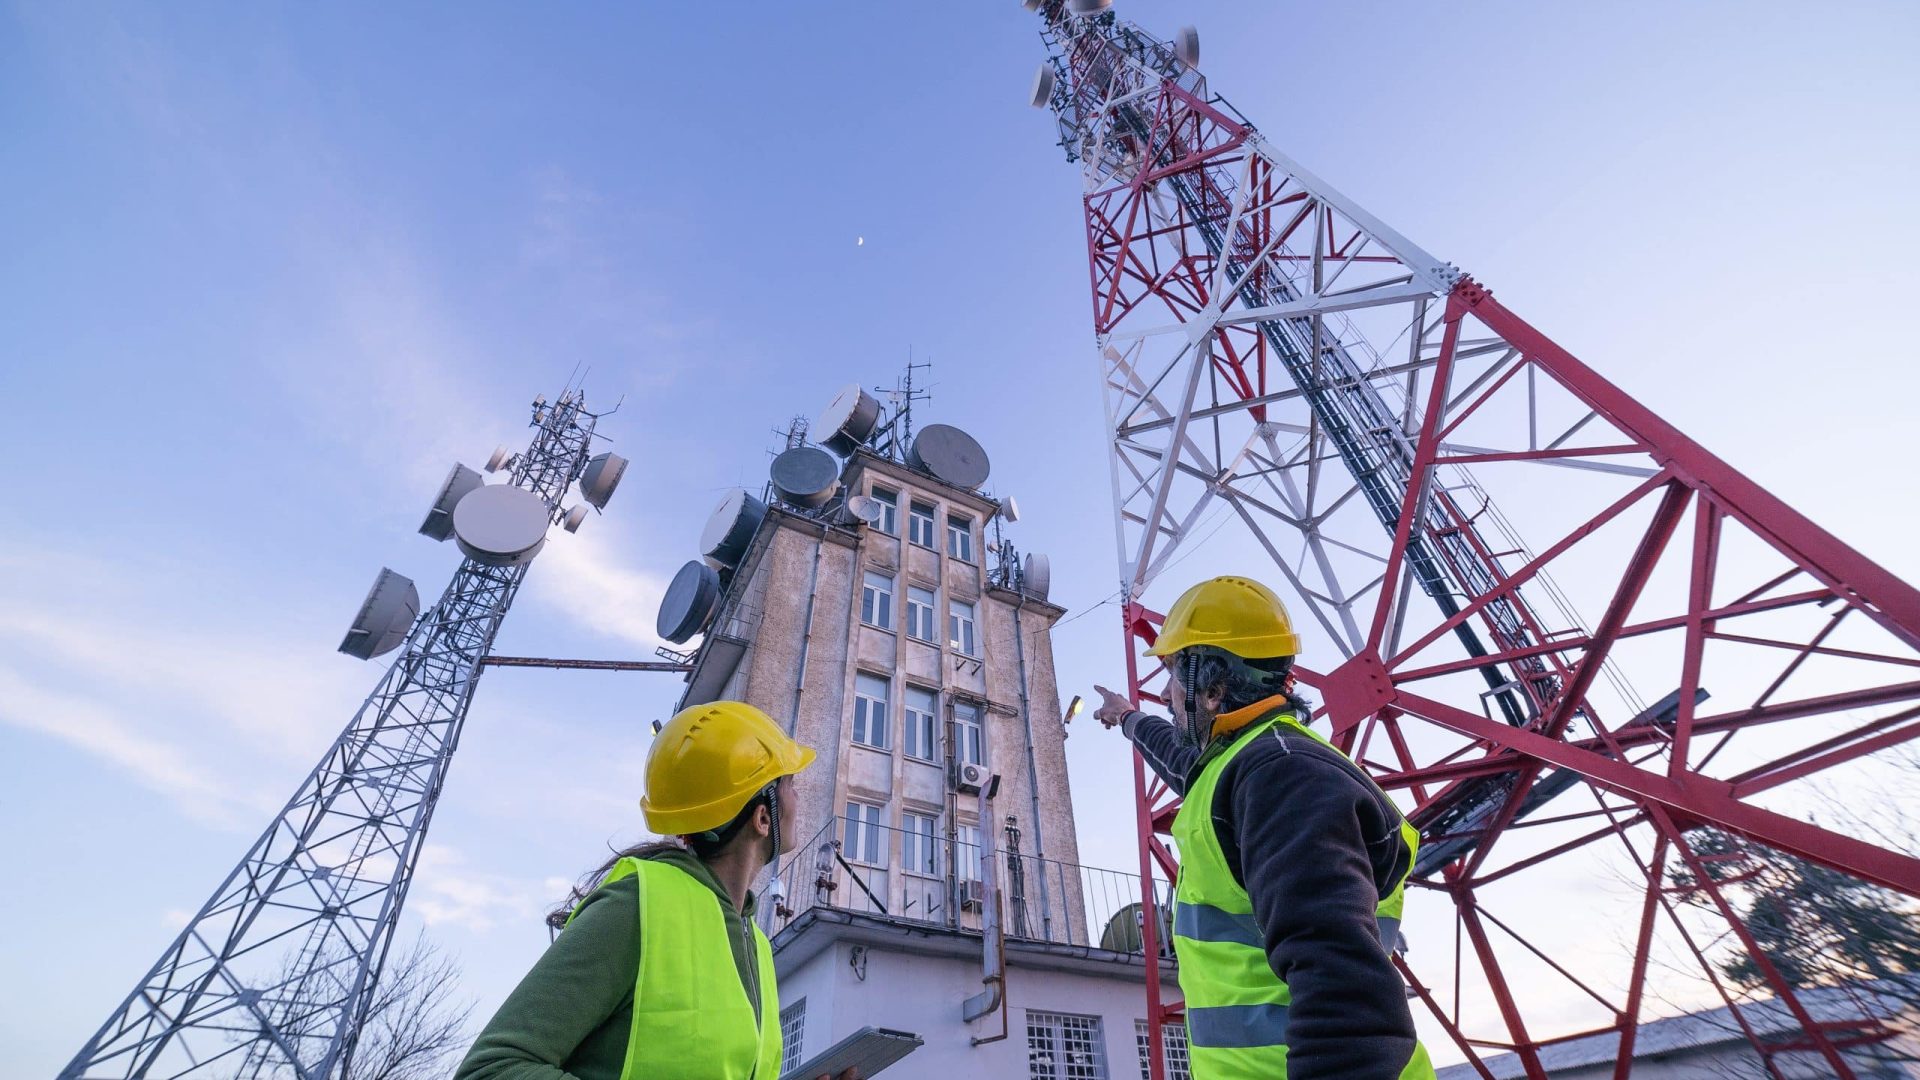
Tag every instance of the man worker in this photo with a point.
(1293, 863)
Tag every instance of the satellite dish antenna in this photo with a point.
(949, 454)
(1037, 579)
(1043, 83)
(1009, 510)
(500, 525)
(600, 477)
(1186, 46)
(1031, 5)
(499, 458)
(848, 420)
(731, 527)
(806, 476)
(385, 616)
(864, 508)
(439, 523)
(1088, 7)
(689, 603)
(574, 517)
(993, 546)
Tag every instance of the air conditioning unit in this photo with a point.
(973, 895)
(970, 778)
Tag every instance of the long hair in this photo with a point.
(704, 846)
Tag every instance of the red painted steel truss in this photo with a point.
(1381, 432)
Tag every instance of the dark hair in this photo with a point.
(704, 846)
(1241, 682)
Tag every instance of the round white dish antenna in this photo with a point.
(1043, 83)
(574, 517)
(1088, 7)
(864, 508)
(731, 527)
(806, 476)
(385, 616)
(1009, 510)
(1186, 46)
(847, 421)
(689, 603)
(1036, 579)
(500, 525)
(949, 454)
(498, 458)
(439, 523)
(600, 477)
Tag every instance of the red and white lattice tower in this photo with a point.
(1278, 360)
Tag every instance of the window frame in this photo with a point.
(970, 733)
(968, 644)
(930, 612)
(929, 725)
(960, 529)
(889, 500)
(793, 1034)
(966, 852)
(1173, 1045)
(870, 590)
(864, 721)
(1053, 1029)
(932, 520)
(871, 826)
(929, 837)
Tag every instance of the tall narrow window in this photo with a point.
(960, 632)
(1062, 1046)
(918, 852)
(872, 698)
(889, 501)
(967, 734)
(920, 524)
(920, 616)
(865, 842)
(966, 853)
(960, 537)
(876, 600)
(922, 715)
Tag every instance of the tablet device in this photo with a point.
(870, 1049)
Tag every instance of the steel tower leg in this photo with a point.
(273, 976)
(1385, 432)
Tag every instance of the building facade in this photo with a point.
(937, 886)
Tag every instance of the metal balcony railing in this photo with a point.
(936, 879)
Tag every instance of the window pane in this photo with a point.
(920, 524)
(889, 510)
(960, 538)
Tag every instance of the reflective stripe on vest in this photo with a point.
(692, 1019)
(1237, 1009)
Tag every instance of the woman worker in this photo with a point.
(659, 971)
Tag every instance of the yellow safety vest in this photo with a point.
(692, 1019)
(1236, 1006)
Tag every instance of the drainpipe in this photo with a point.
(993, 938)
(1033, 773)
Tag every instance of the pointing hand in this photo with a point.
(1113, 708)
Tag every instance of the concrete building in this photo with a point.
(912, 650)
(1709, 1045)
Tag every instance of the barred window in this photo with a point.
(1173, 1044)
(1062, 1046)
(793, 1029)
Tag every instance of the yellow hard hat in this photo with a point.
(709, 760)
(1237, 614)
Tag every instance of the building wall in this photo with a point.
(848, 986)
(798, 558)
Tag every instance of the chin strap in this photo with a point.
(773, 815)
(1191, 729)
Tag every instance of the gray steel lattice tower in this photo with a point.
(273, 977)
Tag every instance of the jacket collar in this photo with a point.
(1228, 723)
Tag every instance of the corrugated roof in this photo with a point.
(1710, 1027)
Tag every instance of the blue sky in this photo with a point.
(268, 270)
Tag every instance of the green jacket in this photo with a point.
(569, 1017)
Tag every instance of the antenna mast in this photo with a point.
(1374, 421)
